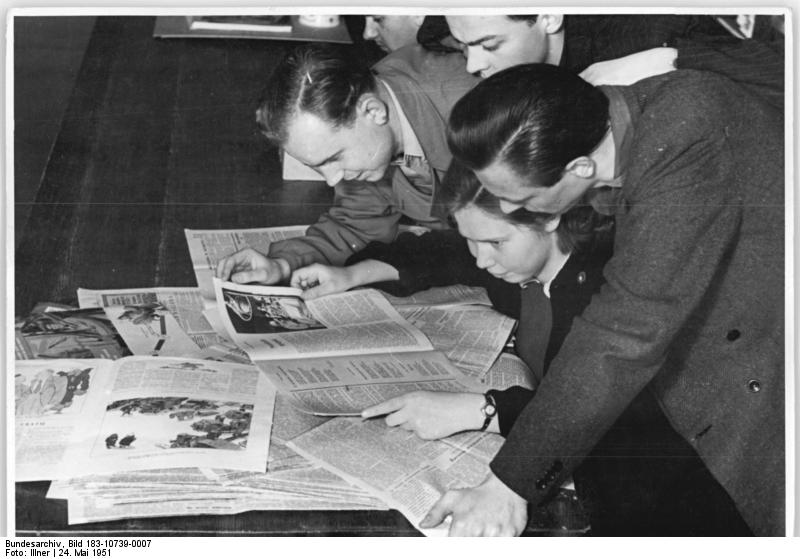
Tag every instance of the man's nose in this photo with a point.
(508, 207)
(332, 176)
(370, 31)
(476, 61)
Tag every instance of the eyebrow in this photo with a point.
(327, 159)
(487, 240)
(479, 41)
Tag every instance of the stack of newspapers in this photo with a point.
(224, 398)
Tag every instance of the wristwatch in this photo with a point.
(489, 410)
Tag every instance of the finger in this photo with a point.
(224, 268)
(399, 419)
(299, 279)
(250, 276)
(219, 268)
(390, 405)
(439, 511)
(318, 291)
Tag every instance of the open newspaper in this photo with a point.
(68, 333)
(408, 473)
(209, 246)
(166, 321)
(291, 482)
(96, 416)
(337, 354)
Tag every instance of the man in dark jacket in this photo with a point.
(693, 168)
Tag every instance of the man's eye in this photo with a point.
(490, 47)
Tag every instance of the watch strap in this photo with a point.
(489, 410)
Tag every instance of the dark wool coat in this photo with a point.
(693, 302)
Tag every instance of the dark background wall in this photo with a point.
(48, 52)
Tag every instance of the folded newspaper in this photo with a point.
(101, 416)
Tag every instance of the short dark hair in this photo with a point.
(324, 80)
(529, 18)
(461, 189)
(536, 118)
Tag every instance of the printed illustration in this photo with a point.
(166, 422)
(50, 391)
(268, 314)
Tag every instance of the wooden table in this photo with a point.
(159, 135)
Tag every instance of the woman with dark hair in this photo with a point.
(530, 259)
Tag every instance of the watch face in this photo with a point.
(489, 410)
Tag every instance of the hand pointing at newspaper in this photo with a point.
(433, 415)
(248, 265)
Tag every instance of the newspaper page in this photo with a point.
(347, 385)
(471, 336)
(150, 329)
(187, 491)
(207, 247)
(68, 334)
(276, 323)
(184, 303)
(442, 296)
(509, 370)
(51, 400)
(161, 412)
(408, 473)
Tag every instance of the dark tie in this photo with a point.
(535, 324)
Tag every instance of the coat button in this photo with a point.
(733, 335)
(753, 385)
(581, 278)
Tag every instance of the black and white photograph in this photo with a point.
(616, 184)
(268, 314)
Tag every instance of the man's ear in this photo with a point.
(551, 23)
(582, 167)
(371, 107)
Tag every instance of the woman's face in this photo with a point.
(510, 252)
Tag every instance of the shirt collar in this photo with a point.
(411, 145)
(621, 124)
(546, 285)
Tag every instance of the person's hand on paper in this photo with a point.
(317, 280)
(433, 415)
(248, 265)
(490, 509)
(632, 68)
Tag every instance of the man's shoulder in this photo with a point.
(686, 100)
(688, 91)
(416, 62)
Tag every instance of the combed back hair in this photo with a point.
(530, 18)
(323, 80)
(432, 35)
(535, 118)
(461, 189)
